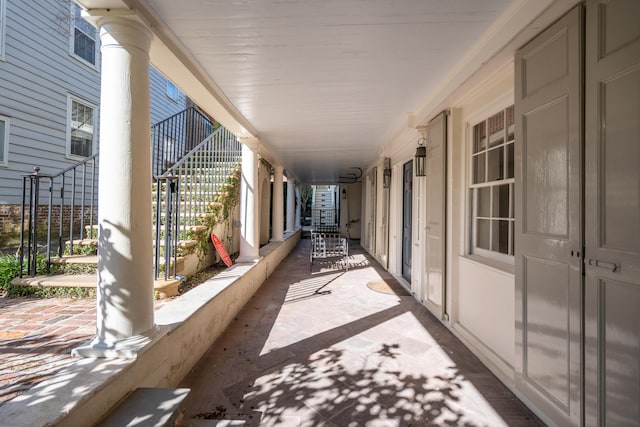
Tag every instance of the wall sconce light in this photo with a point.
(421, 152)
(344, 193)
(386, 174)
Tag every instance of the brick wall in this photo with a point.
(10, 217)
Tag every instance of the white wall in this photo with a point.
(484, 307)
(480, 299)
(481, 291)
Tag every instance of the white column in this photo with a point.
(249, 203)
(290, 206)
(278, 205)
(298, 208)
(125, 279)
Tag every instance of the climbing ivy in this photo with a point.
(221, 211)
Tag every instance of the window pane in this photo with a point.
(172, 91)
(496, 164)
(482, 236)
(484, 201)
(84, 46)
(496, 129)
(500, 236)
(479, 137)
(478, 168)
(512, 211)
(511, 232)
(81, 129)
(510, 162)
(501, 205)
(80, 146)
(510, 124)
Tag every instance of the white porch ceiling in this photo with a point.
(323, 83)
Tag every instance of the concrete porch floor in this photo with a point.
(323, 348)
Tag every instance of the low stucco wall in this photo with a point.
(186, 327)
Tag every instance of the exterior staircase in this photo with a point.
(324, 208)
(186, 205)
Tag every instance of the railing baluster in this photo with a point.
(49, 209)
(94, 183)
(22, 209)
(61, 216)
(176, 236)
(82, 198)
(158, 224)
(72, 208)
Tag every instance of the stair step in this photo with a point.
(164, 288)
(156, 406)
(75, 259)
(194, 228)
(94, 242)
(91, 260)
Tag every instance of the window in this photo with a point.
(172, 91)
(2, 19)
(492, 186)
(83, 36)
(4, 140)
(81, 128)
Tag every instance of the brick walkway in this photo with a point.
(36, 338)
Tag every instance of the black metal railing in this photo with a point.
(200, 176)
(167, 188)
(71, 199)
(71, 208)
(175, 136)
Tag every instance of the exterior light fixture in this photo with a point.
(386, 175)
(421, 152)
(344, 193)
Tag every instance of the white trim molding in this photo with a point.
(4, 146)
(3, 18)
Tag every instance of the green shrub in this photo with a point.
(13, 291)
(9, 269)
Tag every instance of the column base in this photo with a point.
(127, 348)
(248, 259)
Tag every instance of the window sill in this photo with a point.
(491, 263)
(75, 158)
(87, 64)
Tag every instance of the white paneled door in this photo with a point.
(612, 214)
(548, 103)
(578, 287)
(435, 201)
(407, 219)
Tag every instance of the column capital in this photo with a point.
(120, 27)
(278, 169)
(250, 141)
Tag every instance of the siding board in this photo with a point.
(38, 74)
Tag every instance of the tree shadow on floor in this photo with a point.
(314, 380)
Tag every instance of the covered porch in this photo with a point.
(323, 347)
(488, 187)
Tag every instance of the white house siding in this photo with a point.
(36, 77)
(162, 106)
